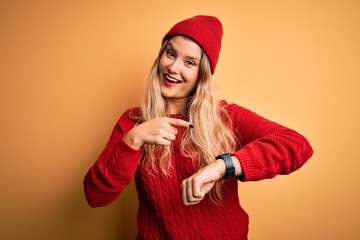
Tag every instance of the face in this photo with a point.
(179, 69)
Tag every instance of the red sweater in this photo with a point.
(267, 149)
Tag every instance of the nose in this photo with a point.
(174, 67)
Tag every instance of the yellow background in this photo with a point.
(68, 69)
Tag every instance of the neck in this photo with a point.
(176, 106)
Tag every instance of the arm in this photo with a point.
(268, 148)
(117, 164)
(114, 168)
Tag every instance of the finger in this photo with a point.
(197, 188)
(183, 193)
(162, 141)
(179, 123)
(189, 192)
(191, 196)
(172, 129)
(169, 136)
(193, 203)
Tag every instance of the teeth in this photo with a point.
(172, 79)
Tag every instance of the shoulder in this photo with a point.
(239, 113)
(131, 113)
(231, 108)
(129, 118)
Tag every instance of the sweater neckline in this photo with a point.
(178, 115)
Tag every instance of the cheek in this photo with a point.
(162, 62)
(193, 76)
(193, 82)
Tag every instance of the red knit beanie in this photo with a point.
(205, 30)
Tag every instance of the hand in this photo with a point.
(194, 188)
(157, 131)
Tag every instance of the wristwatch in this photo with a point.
(230, 169)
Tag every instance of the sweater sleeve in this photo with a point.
(114, 168)
(267, 148)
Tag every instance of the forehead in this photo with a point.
(185, 45)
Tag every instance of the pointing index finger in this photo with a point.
(180, 123)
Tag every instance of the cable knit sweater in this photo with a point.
(267, 149)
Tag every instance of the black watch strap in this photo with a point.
(230, 169)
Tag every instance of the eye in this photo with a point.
(170, 53)
(190, 63)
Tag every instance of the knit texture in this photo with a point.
(205, 30)
(268, 149)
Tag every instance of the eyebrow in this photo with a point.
(190, 57)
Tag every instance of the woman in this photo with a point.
(186, 149)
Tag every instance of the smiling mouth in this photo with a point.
(171, 81)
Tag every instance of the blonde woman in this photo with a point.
(187, 149)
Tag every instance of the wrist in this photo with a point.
(132, 141)
(221, 168)
(229, 165)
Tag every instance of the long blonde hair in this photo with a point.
(212, 133)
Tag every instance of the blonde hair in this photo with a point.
(212, 133)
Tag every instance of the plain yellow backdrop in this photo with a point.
(68, 69)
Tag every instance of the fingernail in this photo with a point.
(191, 125)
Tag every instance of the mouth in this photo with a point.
(169, 81)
